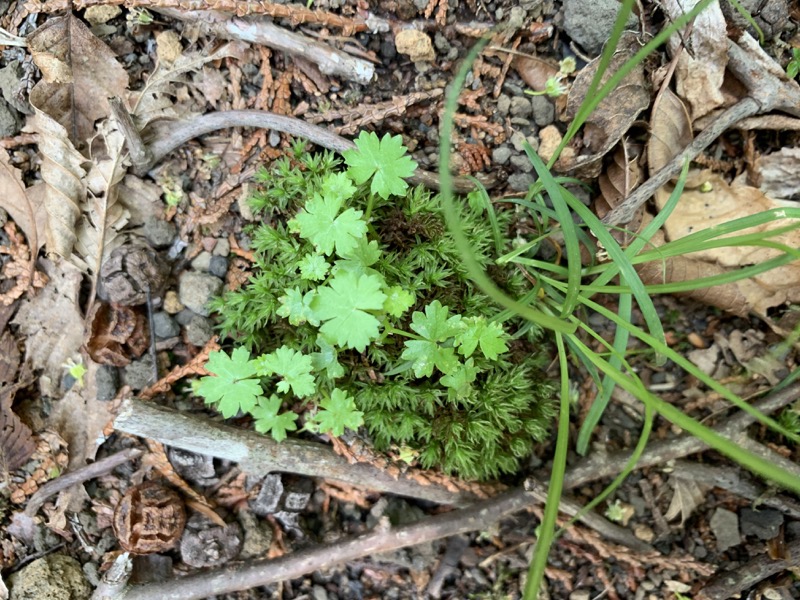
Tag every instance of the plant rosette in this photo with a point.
(361, 316)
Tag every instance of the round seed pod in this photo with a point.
(150, 518)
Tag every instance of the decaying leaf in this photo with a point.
(670, 130)
(688, 495)
(99, 230)
(618, 111)
(79, 74)
(65, 188)
(703, 57)
(20, 269)
(9, 358)
(721, 203)
(53, 325)
(23, 208)
(153, 101)
(16, 440)
(534, 71)
(620, 178)
(779, 173)
(116, 334)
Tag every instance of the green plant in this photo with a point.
(360, 311)
(793, 68)
(564, 291)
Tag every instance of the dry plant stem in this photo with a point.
(259, 455)
(258, 31)
(138, 152)
(113, 582)
(623, 213)
(264, 572)
(67, 480)
(599, 466)
(166, 139)
(730, 584)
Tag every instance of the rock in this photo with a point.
(168, 46)
(207, 545)
(257, 536)
(10, 82)
(518, 140)
(520, 182)
(54, 577)
(580, 595)
(99, 15)
(522, 162)
(319, 593)
(218, 266)
(590, 23)
(106, 382)
(185, 317)
(140, 373)
(764, 524)
(222, 247)
(10, 122)
(158, 232)
(521, 107)
(725, 527)
(172, 305)
(269, 497)
(549, 139)
(416, 44)
(544, 113)
(196, 468)
(501, 154)
(165, 326)
(196, 290)
(202, 261)
(198, 331)
(644, 532)
(503, 105)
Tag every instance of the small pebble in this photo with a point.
(106, 383)
(501, 154)
(520, 182)
(165, 326)
(158, 232)
(202, 261)
(196, 290)
(644, 533)
(522, 162)
(218, 266)
(172, 305)
(199, 331)
(222, 247)
(503, 105)
(521, 107)
(140, 373)
(696, 341)
(185, 317)
(544, 113)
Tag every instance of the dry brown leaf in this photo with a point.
(99, 230)
(701, 66)
(534, 71)
(779, 173)
(670, 130)
(65, 189)
(9, 358)
(688, 495)
(53, 325)
(153, 100)
(79, 74)
(23, 208)
(16, 440)
(620, 178)
(722, 203)
(618, 111)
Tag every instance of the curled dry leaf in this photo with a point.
(116, 334)
(79, 74)
(779, 173)
(16, 440)
(704, 55)
(688, 495)
(670, 130)
(534, 71)
(620, 178)
(618, 110)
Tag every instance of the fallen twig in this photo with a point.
(729, 584)
(329, 60)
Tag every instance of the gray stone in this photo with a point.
(522, 162)
(10, 123)
(518, 140)
(107, 382)
(521, 107)
(520, 182)
(501, 154)
(140, 373)
(764, 523)
(54, 577)
(725, 527)
(10, 77)
(319, 593)
(590, 23)
(199, 330)
(201, 261)
(440, 42)
(218, 266)
(185, 317)
(421, 4)
(257, 536)
(544, 112)
(222, 247)
(158, 232)
(165, 326)
(503, 105)
(196, 290)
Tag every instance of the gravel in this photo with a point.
(196, 290)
